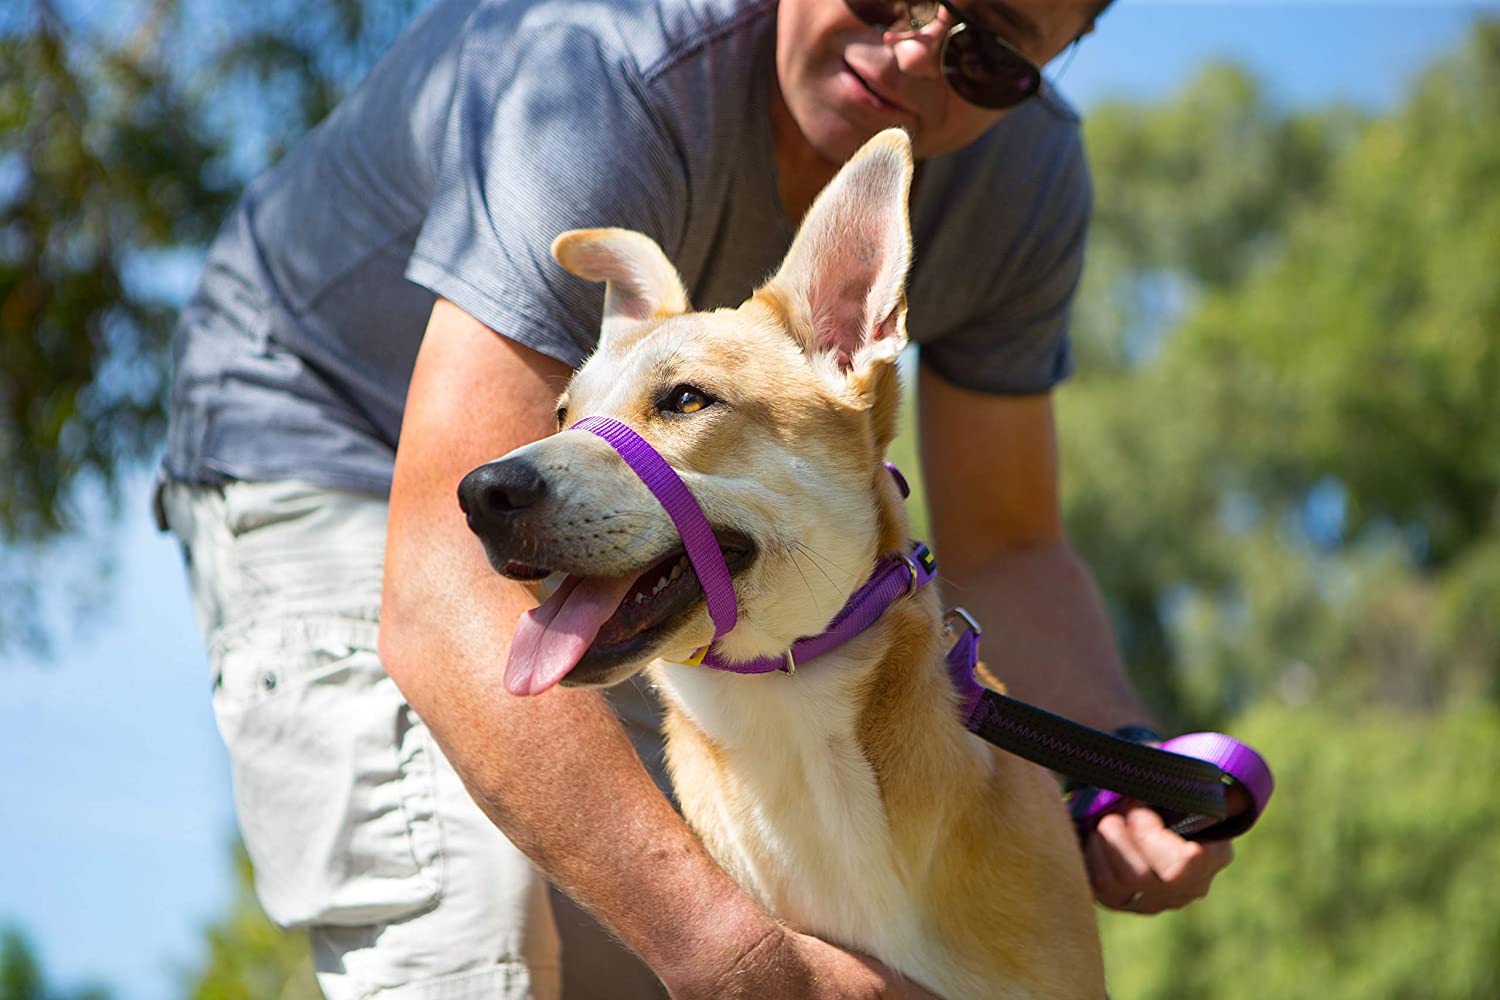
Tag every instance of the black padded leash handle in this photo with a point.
(1166, 780)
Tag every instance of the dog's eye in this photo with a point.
(685, 399)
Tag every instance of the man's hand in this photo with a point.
(1137, 865)
(787, 964)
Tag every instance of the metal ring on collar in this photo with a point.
(915, 579)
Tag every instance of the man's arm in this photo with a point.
(991, 468)
(555, 772)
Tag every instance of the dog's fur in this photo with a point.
(846, 797)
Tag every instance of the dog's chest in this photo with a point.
(789, 804)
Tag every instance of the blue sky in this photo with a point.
(116, 806)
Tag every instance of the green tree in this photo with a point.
(100, 168)
(123, 141)
(1301, 473)
(1189, 195)
(246, 957)
(1373, 874)
(22, 976)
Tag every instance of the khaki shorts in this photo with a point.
(358, 828)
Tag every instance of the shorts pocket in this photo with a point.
(333, 773)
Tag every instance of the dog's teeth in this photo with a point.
(660, 586)
(639, 598)
(676, 571)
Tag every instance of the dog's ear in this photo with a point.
(641, 284)
(843, 282)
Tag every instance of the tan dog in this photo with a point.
(847, 797)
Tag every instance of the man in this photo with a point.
(428, 201)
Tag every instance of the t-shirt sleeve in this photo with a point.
(1017, 342)
(541, 138)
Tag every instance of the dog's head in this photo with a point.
(775, 414)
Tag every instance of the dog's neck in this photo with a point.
(805, 773)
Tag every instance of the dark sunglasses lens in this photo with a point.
(894, 15)
(987, 73)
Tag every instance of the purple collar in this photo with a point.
(894, 577)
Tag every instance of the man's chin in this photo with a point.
(837, 130)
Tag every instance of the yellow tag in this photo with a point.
(696, 660)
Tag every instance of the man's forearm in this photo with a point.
(1047, 635)
(558, 775)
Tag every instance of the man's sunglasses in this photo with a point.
(980, 66)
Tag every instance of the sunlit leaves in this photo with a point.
(1340, 346)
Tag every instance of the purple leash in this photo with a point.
(1185, 780)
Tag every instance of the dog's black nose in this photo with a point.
(500, 488)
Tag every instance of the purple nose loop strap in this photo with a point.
(697, 537)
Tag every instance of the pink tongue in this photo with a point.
(551, 638)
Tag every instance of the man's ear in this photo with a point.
(641, 284)
(844, 280)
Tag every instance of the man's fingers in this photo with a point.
(1217, 854)
(1120, 875)
(1169, 856)
(1131, 867)
(1185, 867)
(1107, 887)
(1135, 863)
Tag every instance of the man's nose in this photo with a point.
(917, 51)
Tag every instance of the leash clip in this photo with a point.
(970, 625)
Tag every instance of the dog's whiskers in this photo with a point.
(815, 558)
(805, 583)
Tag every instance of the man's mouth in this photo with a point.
(879, 94)
(592, 624)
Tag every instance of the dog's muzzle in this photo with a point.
(697, 537)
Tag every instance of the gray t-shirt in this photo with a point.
(493, 125)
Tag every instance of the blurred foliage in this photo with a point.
(22, 976)
(1190, 195)
(119, 156)
(1372, 875)
(249, 958)
(100, 161)
(1293, 485)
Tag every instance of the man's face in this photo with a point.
(843, 80)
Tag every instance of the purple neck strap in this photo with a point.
(895, 577)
